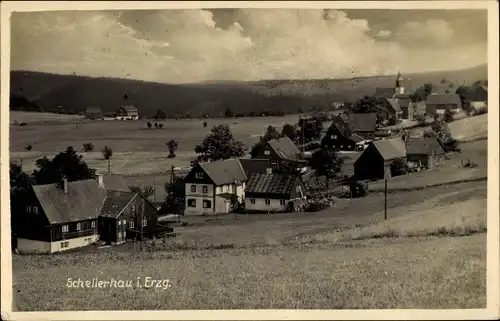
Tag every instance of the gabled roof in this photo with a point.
(285, 148)
(362, 122)
(404, 102)
(129, 108)
(224, 171)
(356, 138)
(423, 146)
(115, 203)
(381, 92)
(444, 99)
(394, 103)
(94, 110)
(255, 165)
(390, 148)
(83, 201)
(115, 183)
(271, 184)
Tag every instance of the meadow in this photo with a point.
(430, 253)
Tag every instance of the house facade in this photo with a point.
(127, 112)
(56, 219)
(376, 160)
(339, 137)
(478, 97)
(94, 113)
(426, 151)
(126, 216)
(394, 109)
(283, 154)
(215, 187)
(275, 192)
(437, 104)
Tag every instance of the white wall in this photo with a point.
(260, 205)
(32, 246)
(199, 190)
(198, 209)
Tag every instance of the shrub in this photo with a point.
(88, 147)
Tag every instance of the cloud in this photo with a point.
(384, 33)
(431, 32)
(189, 45)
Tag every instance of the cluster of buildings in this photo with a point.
(126, 112)
(269, 182)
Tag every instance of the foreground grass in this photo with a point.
(353, 268)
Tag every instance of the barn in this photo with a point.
(425, 151)
(94, 113)
(437, 104)
(376, 160)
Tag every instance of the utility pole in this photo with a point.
(154, 189)
(142, 227)
(385, 199)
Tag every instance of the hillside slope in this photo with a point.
(76, 93)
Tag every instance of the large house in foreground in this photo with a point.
(214, 187)
(67, 215)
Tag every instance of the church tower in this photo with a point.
(400, 90)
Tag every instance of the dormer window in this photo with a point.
(199, 175)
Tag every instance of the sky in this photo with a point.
(186, 46)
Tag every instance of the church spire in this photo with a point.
(399, 84)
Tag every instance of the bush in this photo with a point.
(398, 167)
(312, 146)
(88, 147)
(448, 115)
(23, 124)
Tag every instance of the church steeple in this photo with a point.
(399, 89)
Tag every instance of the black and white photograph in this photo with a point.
(240, 156)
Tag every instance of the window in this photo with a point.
(119, 236)
(34, 209)
(144, 222)
(119, 223)
(28, 209)
(193, 188)
(227, 188)
(199, 175)
(269, 170)
(252, 200)
(266, 152)
(207, 204)
(64, 245)
(282, 202)
(205, 189)
(132, 207)
(333, 136)
(65, 228)
(124, 222)
(268, 202)
(78, 226)
(192, 203)
(92, 224)
(131, 224)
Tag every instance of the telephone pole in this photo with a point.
(385, 198)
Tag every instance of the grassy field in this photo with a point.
(345, 257)
(468, 128)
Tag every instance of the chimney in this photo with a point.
(100, 180)
(65, 185)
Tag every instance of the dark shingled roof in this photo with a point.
(362, 122)
(423, 146)
(255, 165)
(356, 138)
(444, 99)
(285, 149)
(224, 171)
(390, 148)
(83, 201)
(270, 184)
(116, 202)
(115, 183)
(394, 103)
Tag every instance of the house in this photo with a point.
(339, 137)
(69, 215)
(419, 108)
(273, 192)
(60, 216)
(113, 182)
(394, 109)
(426, 151)
(94, 113)
(283, 154)
(127, 112)
(478, 97)
(256, 166)
(364, 125)
(406, 106)
(436, 104)
(126, 215)
(213, 187)
(375, 161)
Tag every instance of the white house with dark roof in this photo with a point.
(215, 187)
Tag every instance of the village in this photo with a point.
(325, 157)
